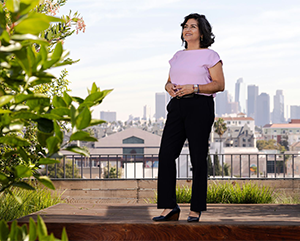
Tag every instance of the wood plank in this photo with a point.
(133, 222)
(87, 194)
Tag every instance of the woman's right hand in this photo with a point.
(171, 89)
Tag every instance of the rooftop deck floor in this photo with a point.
(133, 222)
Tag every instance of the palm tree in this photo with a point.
(220, 129)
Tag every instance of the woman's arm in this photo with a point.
(217, 84)
(170, 88)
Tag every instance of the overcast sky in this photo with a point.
(128, 43)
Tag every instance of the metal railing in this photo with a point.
(220, 166)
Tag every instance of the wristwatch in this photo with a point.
(196, 88)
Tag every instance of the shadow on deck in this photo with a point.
(133, 222)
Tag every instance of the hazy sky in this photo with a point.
(128, 43)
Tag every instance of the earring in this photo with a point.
(201, 38)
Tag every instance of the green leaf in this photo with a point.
(16, 126)
(41, 228)
(20, 37)
(24, 60)
(32, 230)
(5, 111)
(14, 141)
(58, 132)
(4, 230)
(3, 179)
(11, 48)
(23, 154)
(45, 181)
(77, 99)
(77, 149)
(97, 97)
(12, 5)
(45, 125)
(51, 237)
(58, 102)
(2, 21)
(64, 236)
(83, 120)
(44, 53)
(42, 138)
(24, 185)
(96, 122)
(25, 115)
(73, 116)
(57, 52)
(47, 161)
(27, 5)
(23, 171)
(39, 105)
(81, 136)
(19, 98)
(24, 231)
(53, 145)
(94, 88)
(61, 111)
(19, 107)
(13, 231)
(41, 78)
(67, 98)
(94, 97)
(5, 99)
(34, 23)
(18, 199)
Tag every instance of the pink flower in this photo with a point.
(54, 8)
(80, 25)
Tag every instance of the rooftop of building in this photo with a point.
(282, 125)
(235, 118)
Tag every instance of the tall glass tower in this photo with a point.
(278, 111)
(240, 95)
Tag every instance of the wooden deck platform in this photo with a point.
(133, 222)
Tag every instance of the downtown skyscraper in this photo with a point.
(161, 101)
(240, 95)
(251, 101)
(278, 110)
(262, 110)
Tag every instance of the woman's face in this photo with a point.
(191, 31)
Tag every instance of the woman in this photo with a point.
(195, 76)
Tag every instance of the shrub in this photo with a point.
(32, 201)
(59, 169)
(112, 172)
(26, 59)
(227, 193)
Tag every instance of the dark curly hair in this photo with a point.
(204, 28)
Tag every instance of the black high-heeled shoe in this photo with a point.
(193, 219)
(171, 216)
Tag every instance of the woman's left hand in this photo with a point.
(184, 90)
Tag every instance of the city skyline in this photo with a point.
(127, 47)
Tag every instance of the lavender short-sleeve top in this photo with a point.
(191, 67)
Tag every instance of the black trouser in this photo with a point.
(188, 118)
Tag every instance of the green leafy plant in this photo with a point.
(35, 231)
(234, 193)
(227, 193)
(112, 172)
(217, 166)
(57, 170)
(220, 128)
(25, 62)
(32, 201)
